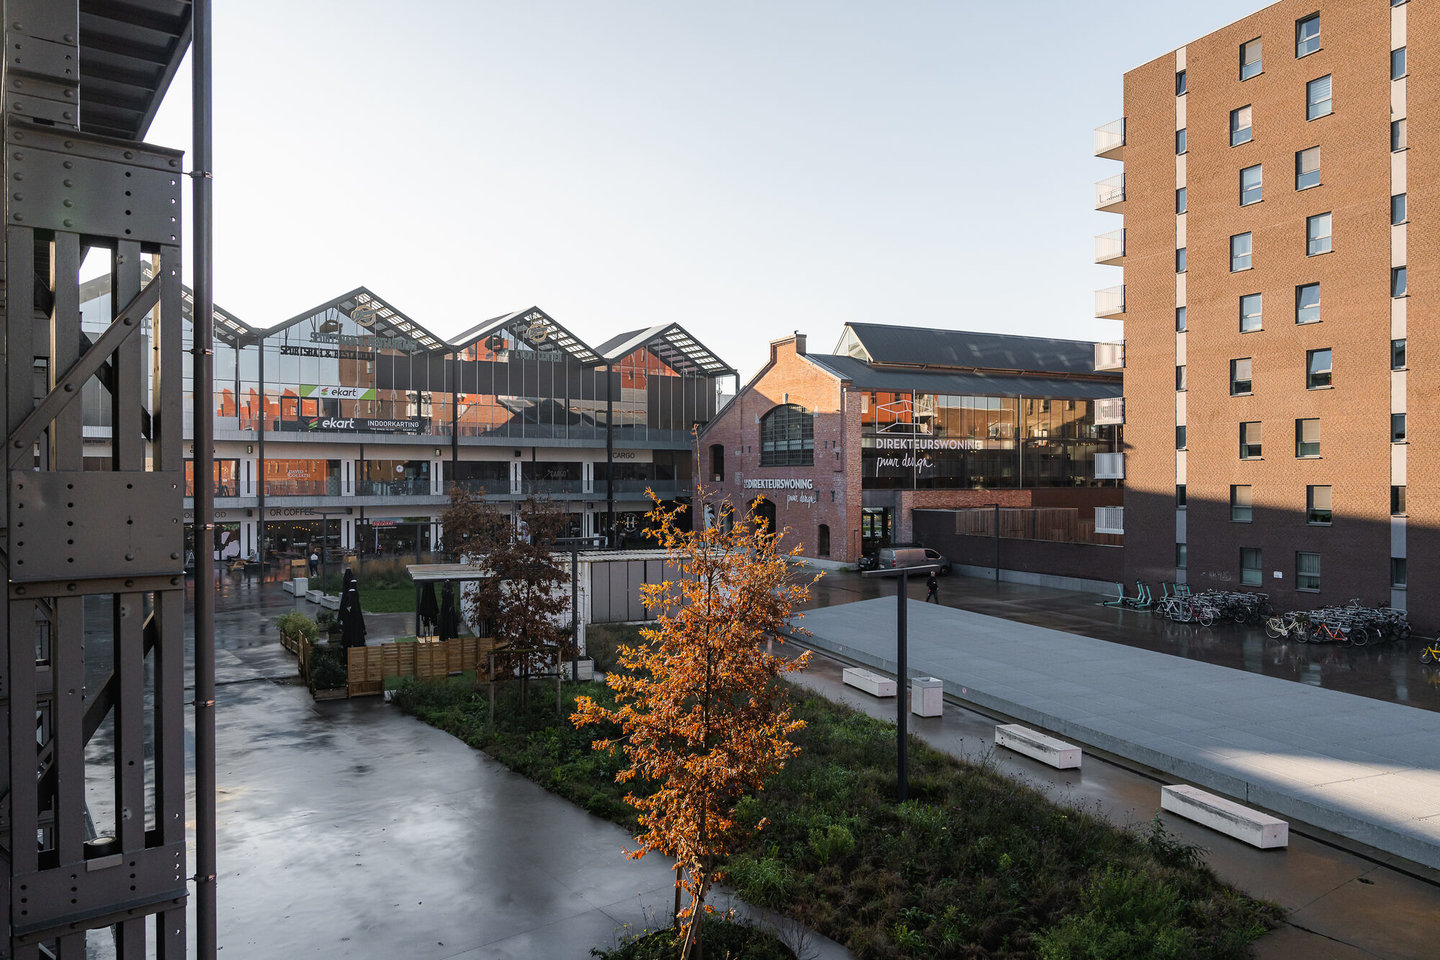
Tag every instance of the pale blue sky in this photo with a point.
(745, 168)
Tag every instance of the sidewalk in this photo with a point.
(1360, 768)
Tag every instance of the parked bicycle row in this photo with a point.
(1353, 624)
(1179, 603)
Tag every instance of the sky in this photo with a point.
(747, 169)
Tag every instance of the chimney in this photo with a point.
(799, 343)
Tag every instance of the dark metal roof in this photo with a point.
(673, 345)
(615, 341)
(928, 347)
(129, 52)
(521, 323)
(228, 327)
(863, 376)
(368, 310)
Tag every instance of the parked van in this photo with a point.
(890, 558)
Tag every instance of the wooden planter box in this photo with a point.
(337, 693)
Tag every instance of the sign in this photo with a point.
(790, 483)
(364, 314)
(327, 392)
(410, 425)
(926, 443)
(539, 330)
(289, 350)
(372, 342)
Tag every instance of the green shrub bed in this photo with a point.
(974, 865)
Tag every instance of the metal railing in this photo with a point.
(1110, 139)
(1110, 247)
(1110, 355)
(1110, 192)
(1110, 302)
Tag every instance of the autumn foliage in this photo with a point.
(699, 712)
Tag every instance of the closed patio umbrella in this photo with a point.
(449, 613)
(351, 617)
(429, 608)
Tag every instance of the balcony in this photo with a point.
(1110, 140)
(1109, 466)
(1110, 302)
(1110, 194)
(1110, 520)
(399, 487)
(1110, 356)
(1110, 411)
(1110, 247)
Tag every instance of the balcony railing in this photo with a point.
(1110, 247)
(1110, 356)
(1110, 140)
(297, 487)
(1110, 194)
(1109, 466)
(1110, 411)
(1110, 520)
(551, 486)
(400, 487)
(1110, 302)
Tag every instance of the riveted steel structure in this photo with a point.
(92, 696)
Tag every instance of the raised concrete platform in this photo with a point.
(1036, 745)
(871, 683)
(1364, 769)
(1228, 817)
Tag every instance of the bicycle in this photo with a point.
(1431, 653)
(1294, 625)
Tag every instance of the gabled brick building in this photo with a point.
(841, 448)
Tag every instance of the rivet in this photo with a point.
(69, 223)
(68, 202)
(19, 156)
(69, 144)
(18, 107)
(19, 176)
(129, 583)
(70, 586)
(129, 556)
(18, 218)
(174, 556)
(69, 388)
(20, 591)
(19, 196)
(129, 155)
(68, 165)
(69, 38)
(68, 183)
(67, 115)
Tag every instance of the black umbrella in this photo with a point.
(429, 608)
(351, 617)
(449, 613)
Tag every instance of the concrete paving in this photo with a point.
(1359, 768)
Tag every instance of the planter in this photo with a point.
(339, 693)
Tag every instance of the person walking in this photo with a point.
(933, 583)
(314, 563)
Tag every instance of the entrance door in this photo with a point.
(764, 509)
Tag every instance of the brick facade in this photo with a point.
(1356, 307)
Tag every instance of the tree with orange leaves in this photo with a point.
(698, 708)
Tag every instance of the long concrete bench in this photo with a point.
(1032, 743)
(872, 683)
(1230, 818)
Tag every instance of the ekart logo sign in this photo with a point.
(336, 393)
(330, 423)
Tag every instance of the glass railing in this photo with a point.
(1110, 192)
(329, 487)
(1110, 139)
(1110, 356)
(1110, 302)
(1110, 247)
(1110, 411)
(399, 487)
(552, 486)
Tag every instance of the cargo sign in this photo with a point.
(327, 392)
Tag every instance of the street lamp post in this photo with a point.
(902, 667)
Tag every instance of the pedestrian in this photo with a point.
(933, 583)
(314, 563)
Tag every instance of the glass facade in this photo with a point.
(949, 441)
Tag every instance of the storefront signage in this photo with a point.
(376, 342)
(786, 483)
(411, 425)
(289, 350)
(925, 443)
(327, 392)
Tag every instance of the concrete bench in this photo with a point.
(871, 683)
(1048, 750)
(1230, 818)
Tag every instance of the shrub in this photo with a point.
(294, 626)
(327, 667)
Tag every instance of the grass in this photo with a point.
(974, 865)
(385, 586)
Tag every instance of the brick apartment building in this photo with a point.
(843, 448)
(1271, 266)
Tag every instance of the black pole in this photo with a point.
(203, 369)
(574, 614)
(609, 458)
(454, 422)
(259, 344)
(902, 600)
(997, 543)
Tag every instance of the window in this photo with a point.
(1317, 234)
(1307, 168)
(1397, 281)
(1397, 573)
(1250, 440)
(1307, 303)
(1397, 354)
(1180, 260)
(1250, 305)
(1240, 506)
(1240, 125)
(1397, 63)
(1240, 377)
(1180, 496)
(1397, 209)
(1250, 59)
(1180, 437)
(1317, 504)
(1307, 572)
(1180, 556)
(1317, 98)
(1397, 428)
(717, 461)
(822, 541)
(1250, 185)
(1307, 35)
(787, 437)
(1179, 83)
(1397, 135)
(1180, 376)
(1317, 368)
(1240, 252)
(1307, 438)
(1397, 501)
(1179, 319)
(1250, 573)
(1180, 200)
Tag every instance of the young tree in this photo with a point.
(700, 714)
(524, 600)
